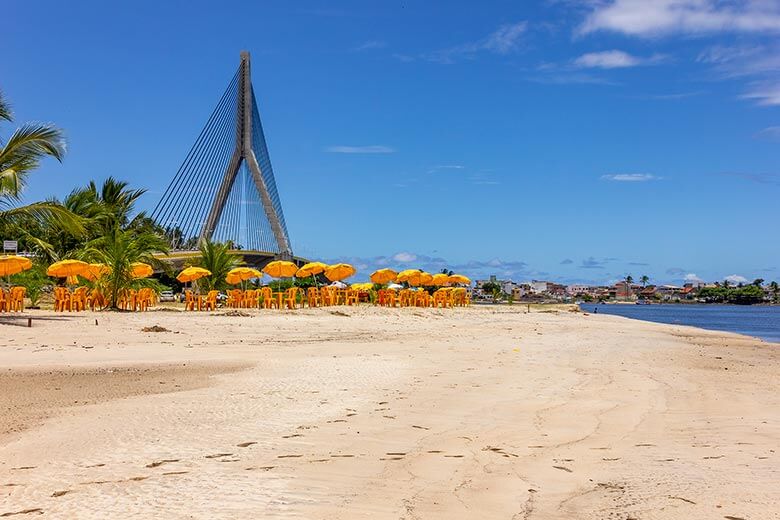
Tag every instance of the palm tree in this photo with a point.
(644, 280)
(20, 155)
(758, 282)
(119, 249)
(774, 288)
(217, 258)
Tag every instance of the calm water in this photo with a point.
(759, 321)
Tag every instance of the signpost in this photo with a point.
(10, 245)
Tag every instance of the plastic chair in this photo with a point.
(291, 298)
(250, 300)
(210, 303)
(312, 297)
(16, 300)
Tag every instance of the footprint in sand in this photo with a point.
(21, 468)
(60, 493)
(345, 455)
(36, 510)
(564, 468)
(160, 462)
(420, 427)
(175, 473)
(246, 444)
(454, 456)
(292, 436)
(288, 456)
(218, 455)
(682, 498)
(435, 451)
(396, 453)
(137, 479)
(262, 468)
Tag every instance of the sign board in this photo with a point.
(10, 245)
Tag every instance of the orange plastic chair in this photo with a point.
(312, 297)
(351, 297)
(78, 300)
(3, 300)
(16, 300)
(235, 298)
(210, 302)
(250, 300)
(291, 298)
(192, 302)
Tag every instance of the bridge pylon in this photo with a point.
(225, 190)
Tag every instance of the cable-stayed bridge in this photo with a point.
(225, 189)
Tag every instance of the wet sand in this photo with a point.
(406, 413)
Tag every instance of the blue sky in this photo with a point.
(564, 139)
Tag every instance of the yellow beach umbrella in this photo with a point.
(280, 269)
(362, 286)
(338, 272)
(141, 270)
(440, 279)
(65, 268)
(459, 278)
(425, 278)
(95, 271)
(72, 280)
(383, 276)
(311, 269)
(411, 276)
(12, 264)
(241, 274)
(191, 274)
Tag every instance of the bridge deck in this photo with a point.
(257, 259)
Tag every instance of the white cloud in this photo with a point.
(630, 177)
(446, 167)
(692, 277)
(607, 60)
(503, 40)
(376, 148)
(404, 257)
(771, 133)
(735, 278)
(648, 18)
(370, 45)
(764, 93)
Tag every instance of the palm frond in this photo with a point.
(50, 212)
(23, 152)
(5, 109)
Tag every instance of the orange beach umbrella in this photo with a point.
(191, 274)
(311, 269)
(338, 272)
(141, 270)
(280, 269)
(12, 264)
(65, 268)
(95, 272)
(381, 276)
(439, 279)
(241, 274)
(459, 278)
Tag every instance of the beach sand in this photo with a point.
(486, 412)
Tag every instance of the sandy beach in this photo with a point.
(485, 412)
